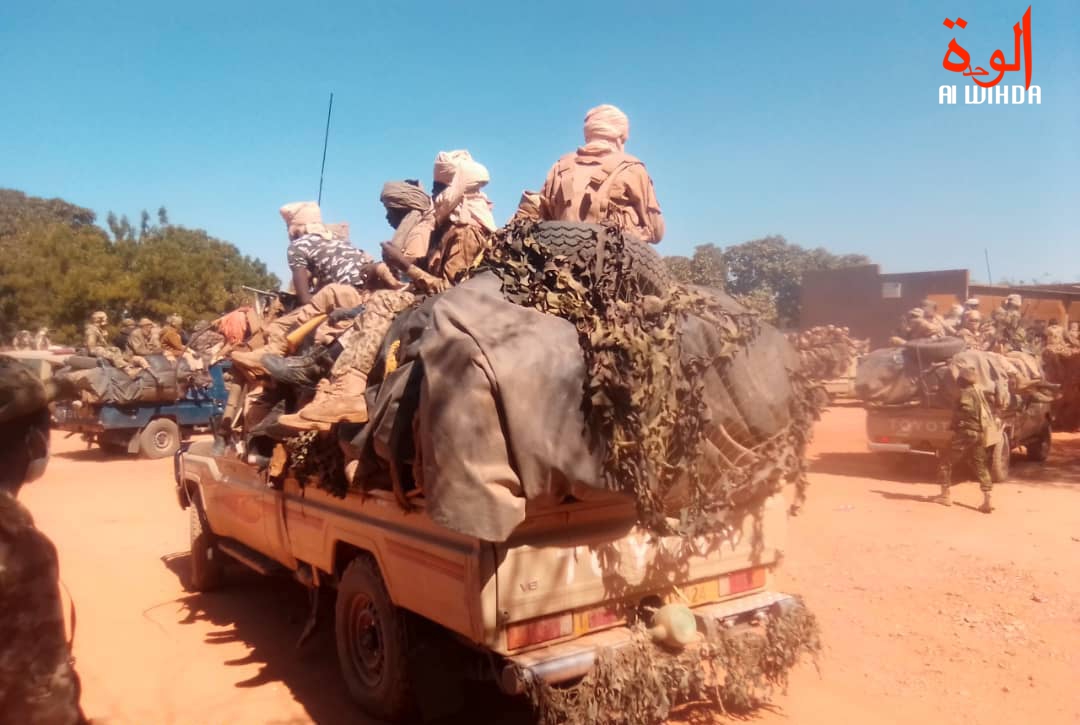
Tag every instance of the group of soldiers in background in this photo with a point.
(133, 341)
(25, 340)
(1003, 332)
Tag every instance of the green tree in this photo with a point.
(763, 274)
(57, 266)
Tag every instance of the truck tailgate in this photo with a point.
(917, 428)
(572, 561)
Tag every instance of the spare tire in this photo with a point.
(81, 362)
(932, 350)
(579, 242)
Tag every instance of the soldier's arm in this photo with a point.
(640, 189)
(301, 278)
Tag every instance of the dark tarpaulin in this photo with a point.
(498, 392)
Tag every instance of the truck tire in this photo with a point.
(372, 644)
(1038, 449)
(934, 350)
(159, 439)
(999, 459)
(207, 561)
(577, 242)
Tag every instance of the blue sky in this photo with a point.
(818, 121)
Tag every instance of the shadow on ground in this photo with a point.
(268, 614)
(1062, 469)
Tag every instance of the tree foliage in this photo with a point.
(57, 266)
(763, 274)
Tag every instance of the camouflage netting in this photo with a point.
(1062, 366)
(644, 397)
(641, 683)
(827, 352)
(317, 459)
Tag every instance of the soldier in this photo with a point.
(38, 683)
(141, 340)
(315, 257)
(1008, 325)
(1073, 336)
(971, 422)
(954, 319)
(971, 330)
(603, 184)
(172, 343)
(528, 207)
(1055, 334)
(41, 340)
(971, 303)
(935, 321)
(23, 341)
(97, 341)
(127, 326)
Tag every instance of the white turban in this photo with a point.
(606, 122)
(301, 212)
(446, 165)
(471, 174)
(304, 217)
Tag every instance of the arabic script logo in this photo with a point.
(958, 60)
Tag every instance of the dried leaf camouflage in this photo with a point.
(640, 683)
(643, 397)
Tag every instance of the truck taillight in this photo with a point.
(539, 630)
(745, 580)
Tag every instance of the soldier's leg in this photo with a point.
(341, 397)
(982, 472)
(946, 460)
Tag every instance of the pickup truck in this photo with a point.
(155, 430)
(567, 586)
(920, 428)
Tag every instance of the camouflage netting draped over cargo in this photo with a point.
(644, 399)
(1062, 365)
(827, 352)
(641, 683)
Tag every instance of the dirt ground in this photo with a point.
(929, 614)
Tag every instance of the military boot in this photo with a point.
(305, 370)
(986, 507)
(945, 497)
(340, 400)
(251, 360)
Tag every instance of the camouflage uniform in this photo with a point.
(38, 683)
(141, 340)
(97, 345)
(340, 397)
(971, 418)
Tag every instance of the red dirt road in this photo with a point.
(929, 614)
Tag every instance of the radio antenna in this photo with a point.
(326, 141)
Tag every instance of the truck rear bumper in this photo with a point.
(896, 448)
(570, 660)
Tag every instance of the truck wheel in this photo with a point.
(999, 459)
(578, 242)
(1038, 450)
(159, 439)
(371, 643)
(207, 562)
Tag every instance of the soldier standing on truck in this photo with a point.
(971, 422)
(38, 683)
(602, 184)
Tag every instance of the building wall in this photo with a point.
(861, 298)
